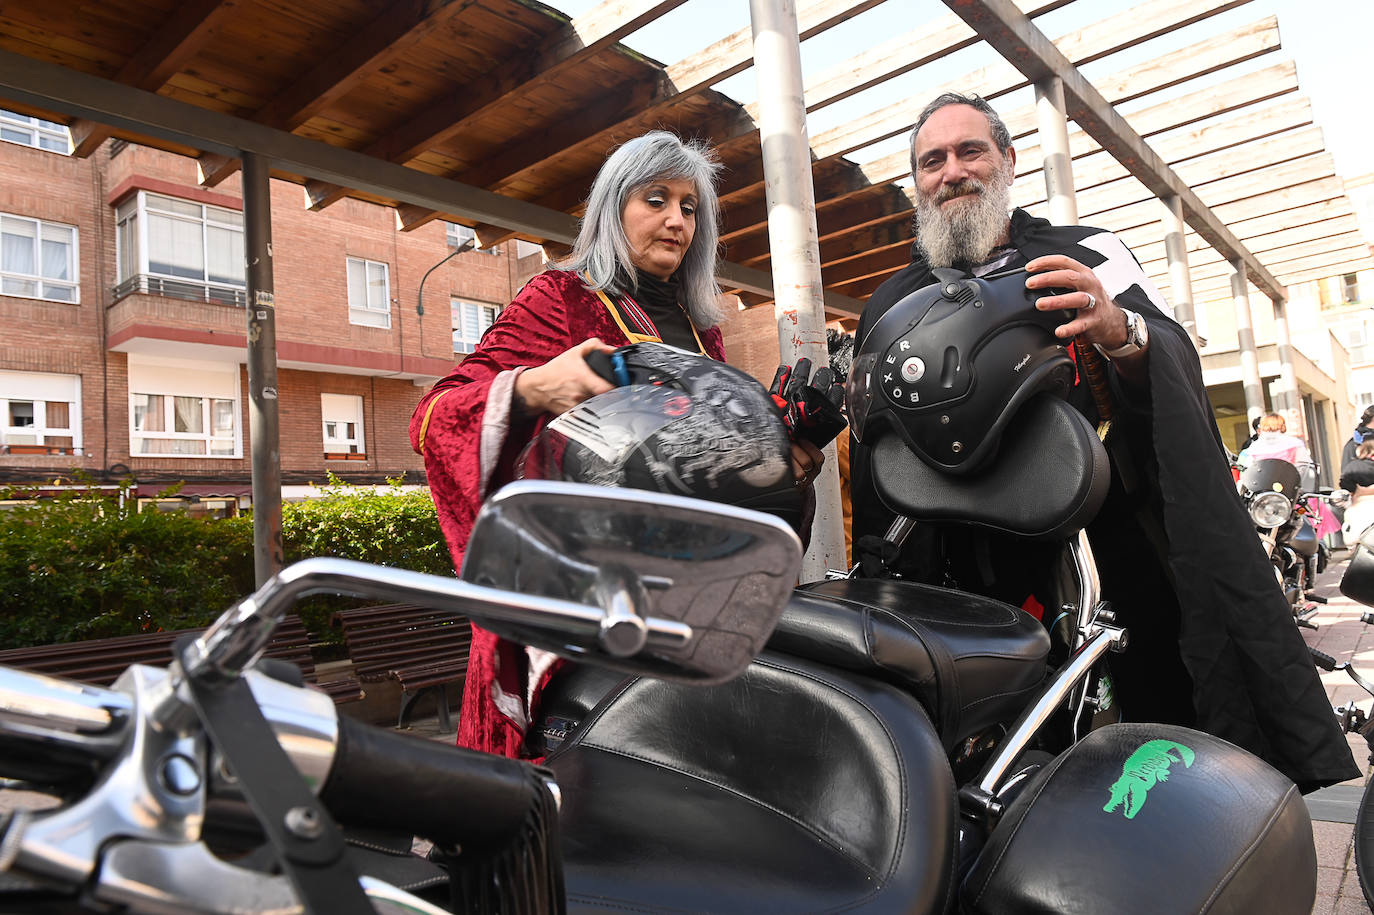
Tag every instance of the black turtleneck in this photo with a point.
(660, 300)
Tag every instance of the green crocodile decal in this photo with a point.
(1146, 767)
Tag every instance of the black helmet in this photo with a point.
(685, 424)
(948, 365)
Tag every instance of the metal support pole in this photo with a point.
(1054, 144)
(264, 431)
(1287, 388)
(793, 240)
(1180, 279)
(1245, 337)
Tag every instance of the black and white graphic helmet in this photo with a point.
(685, 424)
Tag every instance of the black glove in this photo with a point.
(812, 406)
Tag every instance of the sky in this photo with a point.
(1328, 39)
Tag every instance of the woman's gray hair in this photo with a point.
(602, 252)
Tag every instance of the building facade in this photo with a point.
(122, 281)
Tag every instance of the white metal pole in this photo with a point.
(1245, 337)
(792, 239)
(1180, 280)
(1054, 144)
(1287, 388)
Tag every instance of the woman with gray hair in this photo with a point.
(642, 269)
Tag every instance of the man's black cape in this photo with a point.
(1213, 643)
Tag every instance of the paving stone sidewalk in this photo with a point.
(1341, 635)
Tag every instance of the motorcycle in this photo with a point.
(1357, 583)
(1285, 518)
(724, 743)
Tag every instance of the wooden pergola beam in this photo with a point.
(1018, 40)
(401, 26)
(185, 32)
(578, 40)
(1190, 126)
(689, 76)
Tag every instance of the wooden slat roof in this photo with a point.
(515, 106)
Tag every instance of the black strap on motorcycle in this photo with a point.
(309, 845)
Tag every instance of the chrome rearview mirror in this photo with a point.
(681, 588)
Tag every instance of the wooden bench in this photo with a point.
(101, 661)
(422, 650)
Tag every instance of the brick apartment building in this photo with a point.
(122, 283)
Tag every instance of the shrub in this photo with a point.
(77, 567)
(389, 527)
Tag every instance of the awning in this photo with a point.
(197, 490)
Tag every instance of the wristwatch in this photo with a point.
(1137, 337)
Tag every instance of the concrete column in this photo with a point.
(792, 239)
(1180, 279)
(264, 431)
(1054, 143)
(1245, 335)
(1287, 389)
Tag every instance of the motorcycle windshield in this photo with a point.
(1271, 475)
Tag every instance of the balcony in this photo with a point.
(148, 284)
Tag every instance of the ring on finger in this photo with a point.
(1092, 301)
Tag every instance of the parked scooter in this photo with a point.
(1285, 517)
(866, 746)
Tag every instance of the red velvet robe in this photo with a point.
(464, 428)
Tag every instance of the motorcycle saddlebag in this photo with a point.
(1358, 581)
(1141, 818)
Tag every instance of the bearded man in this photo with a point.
(1212, 642)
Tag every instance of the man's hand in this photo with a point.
(1099, 320)
(811, 405)
(563, 382)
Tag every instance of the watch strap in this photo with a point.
(1134, 338)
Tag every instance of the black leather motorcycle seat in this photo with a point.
(971, 661)
(1139, 819)
(790, 789)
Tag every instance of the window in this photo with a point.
(182, 409)
(166, 246)
(41, 413)
(457, 234)
(1350, 288)
(37, 259)
(526, 248)
(343, 425)
(369, 293)
(470, 321)
(1354, 336)
(35, 132)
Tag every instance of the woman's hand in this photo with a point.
(561, 383)
(806, 462)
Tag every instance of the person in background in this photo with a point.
(1362, 433)
(1357, 476)
(642, 269)
(1273, 441)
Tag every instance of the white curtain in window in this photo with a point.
(148, 413)
(17, 245)
(57, 253)
(376, 286)
(225, 255)
(175, 247)
(188, 415)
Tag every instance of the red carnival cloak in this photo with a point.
(470, 440)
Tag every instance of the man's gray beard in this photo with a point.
(967, 232)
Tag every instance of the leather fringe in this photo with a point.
(523, 878)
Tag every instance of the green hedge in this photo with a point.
(80, 568)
